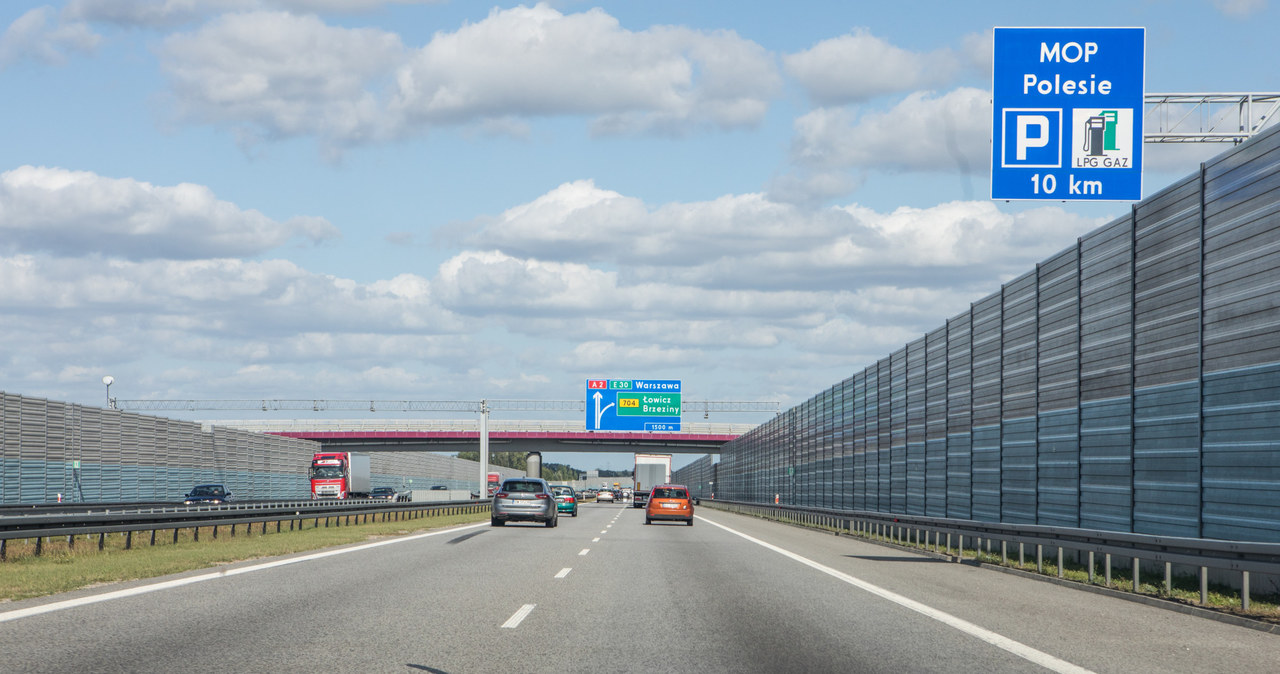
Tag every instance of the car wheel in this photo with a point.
(496, 523)
(690, 522)
(648, 520)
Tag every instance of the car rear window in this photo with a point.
(522, 487)
(662, 492)
(562, 490)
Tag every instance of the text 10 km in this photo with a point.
(1048, 184)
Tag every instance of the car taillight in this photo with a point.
(568, 499)
(501, 494)
(543, 495)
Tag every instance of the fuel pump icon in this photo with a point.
(1095, 129)
(1100, 133)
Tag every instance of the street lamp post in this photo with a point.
(109, 380)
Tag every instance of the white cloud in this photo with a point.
(37, 35)
(859, 66)
(278, 75)
(748, 241)
(607, 356)
(923, 132)
(815, 289)
(275, 75)
(535, 61)
(71, 213)
(579, 221)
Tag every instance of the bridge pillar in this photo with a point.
(533, 465)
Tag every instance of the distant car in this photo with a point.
(439, 487)
(669, 502)
(383, 493)
(527, 499)
(566, 500)
(604, 495)
(207, 494)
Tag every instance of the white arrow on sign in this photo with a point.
(599, 411)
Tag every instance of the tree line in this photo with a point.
(551, 472)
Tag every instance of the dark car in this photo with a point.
(207, 494)
(383, 493)
(523, 499)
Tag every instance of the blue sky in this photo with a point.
(382, 199)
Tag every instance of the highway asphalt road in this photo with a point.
(604, 593)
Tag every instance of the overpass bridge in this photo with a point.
(519, 436)
(451, 435)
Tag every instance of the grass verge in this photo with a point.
(64, 565)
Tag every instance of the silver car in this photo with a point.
(523, 499)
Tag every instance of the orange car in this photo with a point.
(669, 502)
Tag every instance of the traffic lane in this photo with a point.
(378, 608)
(1095, 631)
(679, 598)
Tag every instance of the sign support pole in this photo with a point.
(484, 449)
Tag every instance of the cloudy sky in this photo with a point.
(434, 200)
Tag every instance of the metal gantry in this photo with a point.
(474, 406)
(1207, 117)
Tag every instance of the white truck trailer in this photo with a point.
(651, 470)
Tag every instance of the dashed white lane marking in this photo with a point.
(519, 616)
(596, 539)
(563, 572)
(179, 582)
(999, 641)
(584, 552)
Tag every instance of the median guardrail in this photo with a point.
(128, 520)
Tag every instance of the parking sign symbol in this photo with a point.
(1032, 138)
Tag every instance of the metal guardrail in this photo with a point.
(1203, 554)
(128, 520)
(445, 425)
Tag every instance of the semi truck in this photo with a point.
(651, 471)
(339, 475)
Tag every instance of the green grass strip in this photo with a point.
(62, 566)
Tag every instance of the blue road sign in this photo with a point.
(1067, 122)
(633, 404)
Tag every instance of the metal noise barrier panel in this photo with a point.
(1128, 383)
(51, 449)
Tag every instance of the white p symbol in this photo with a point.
(1024, 141)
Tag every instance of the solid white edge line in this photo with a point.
(179, 582)
(564, 572)
(519, 616)
(999, 641)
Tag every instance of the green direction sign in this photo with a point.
(648, 404)
(633, 405)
